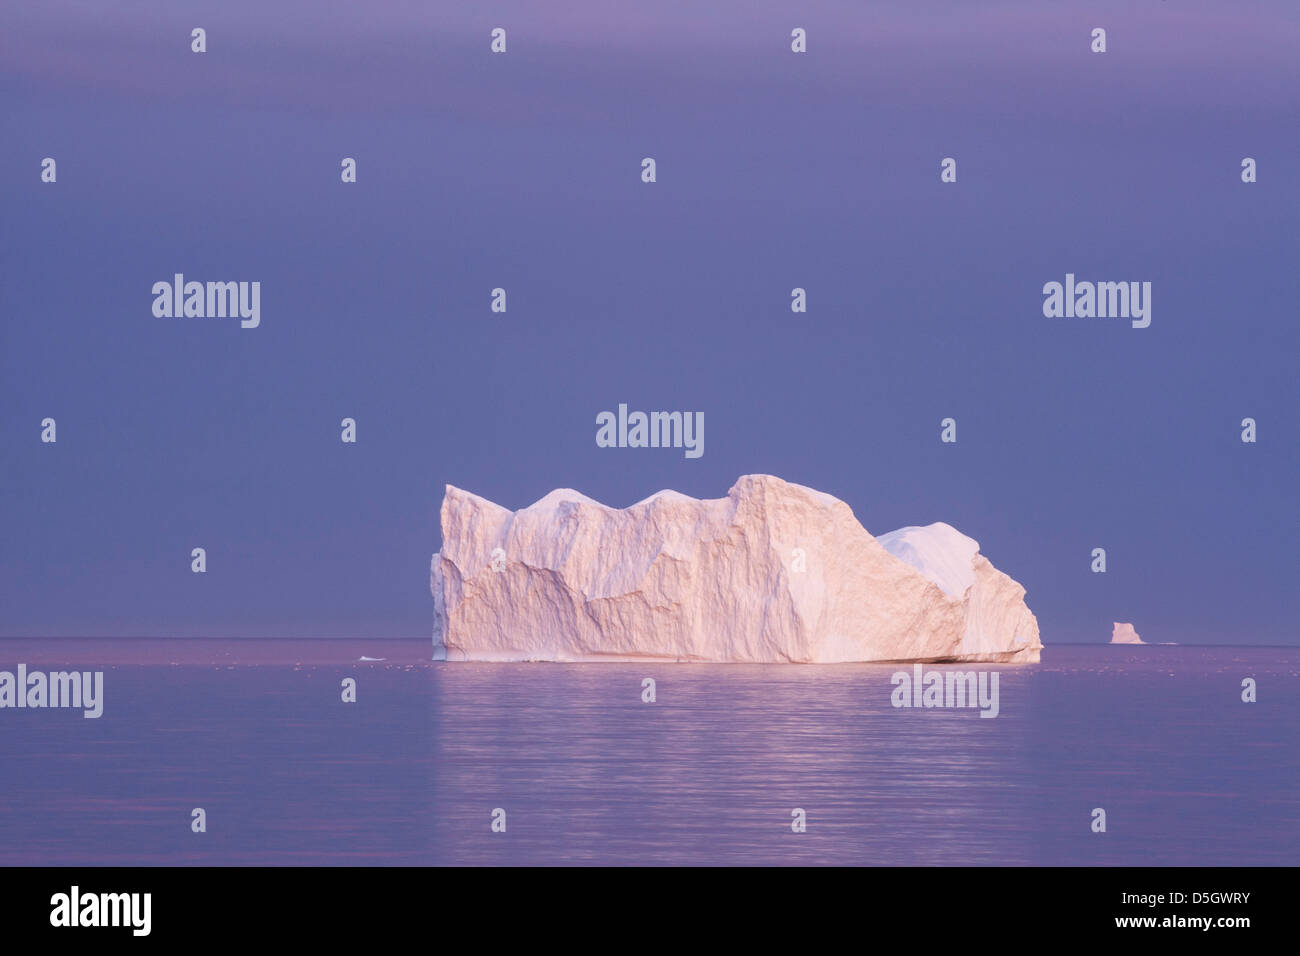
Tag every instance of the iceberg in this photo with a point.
(774, 572)
(1124, 634)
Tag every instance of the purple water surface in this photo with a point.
(255, 732)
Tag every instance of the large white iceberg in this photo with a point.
(1124, 634)
(774, 572)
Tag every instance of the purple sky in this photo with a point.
(775, 170)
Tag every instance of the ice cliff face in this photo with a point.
(774, 572)
(1124, 634)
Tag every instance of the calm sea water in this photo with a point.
(257, 735)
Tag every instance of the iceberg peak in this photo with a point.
(939, 551)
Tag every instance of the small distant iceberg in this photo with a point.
(364, 658)
(1124, 634)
